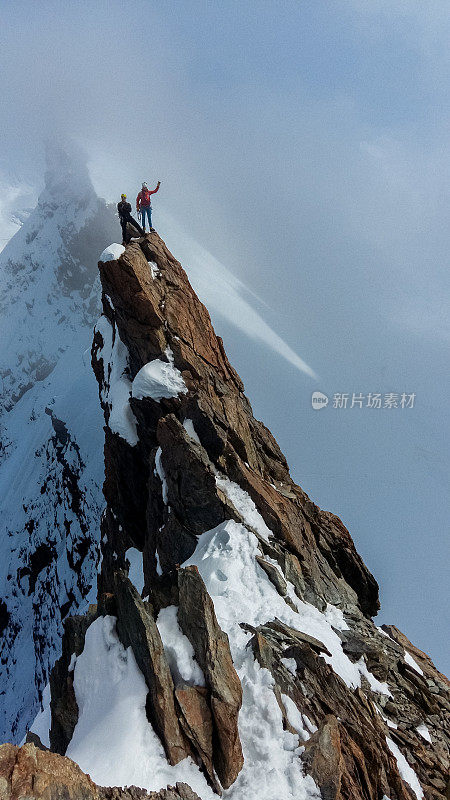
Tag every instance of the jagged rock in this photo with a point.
(35, 774)
(33, 738)
(64, 708)
(191, 496)
(274, 575)
(424, 661)
(367, 766)
(28, 772)
(197, 723)
(181, 791)
(137, 629)
(212, 651)
(323, 758)
(298, 636)
(151, 315)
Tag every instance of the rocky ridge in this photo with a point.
(201, 489)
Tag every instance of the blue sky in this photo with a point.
(303, 146)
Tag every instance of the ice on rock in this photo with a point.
(159, 469)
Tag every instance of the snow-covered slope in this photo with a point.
(51, 453)
(47, 274)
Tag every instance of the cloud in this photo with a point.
(15, 202)
(224, 293)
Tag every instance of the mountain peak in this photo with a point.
(232, 647)
(233, 620)
(66, 174)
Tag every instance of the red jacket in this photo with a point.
(143, 198)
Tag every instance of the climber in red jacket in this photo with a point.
(144, 204)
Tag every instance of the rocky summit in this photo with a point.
(232, 648)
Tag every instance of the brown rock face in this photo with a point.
(196, 721)
(323, 758)
(27, 772)
(198, 622)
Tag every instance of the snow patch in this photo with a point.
(113, 740)
(154, 271)
(244, 504)
(407, 773)
(161, 474)
(290, 664)
(117, 388)
(136, 571)
(375, 685)
(409, 660)
(424, 732)
(112, 253)
(242, 592)
(272, 764)
(159, 379)
(388, 722)
(295, 718)
(188, 426)
(43, 720)
(73, 661)
(178, 649)
(309, 725)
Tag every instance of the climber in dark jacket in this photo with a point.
(124, 210)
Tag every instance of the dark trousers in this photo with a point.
(124, 221)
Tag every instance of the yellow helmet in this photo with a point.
(123, 195)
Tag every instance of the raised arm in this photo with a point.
(157, 187)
